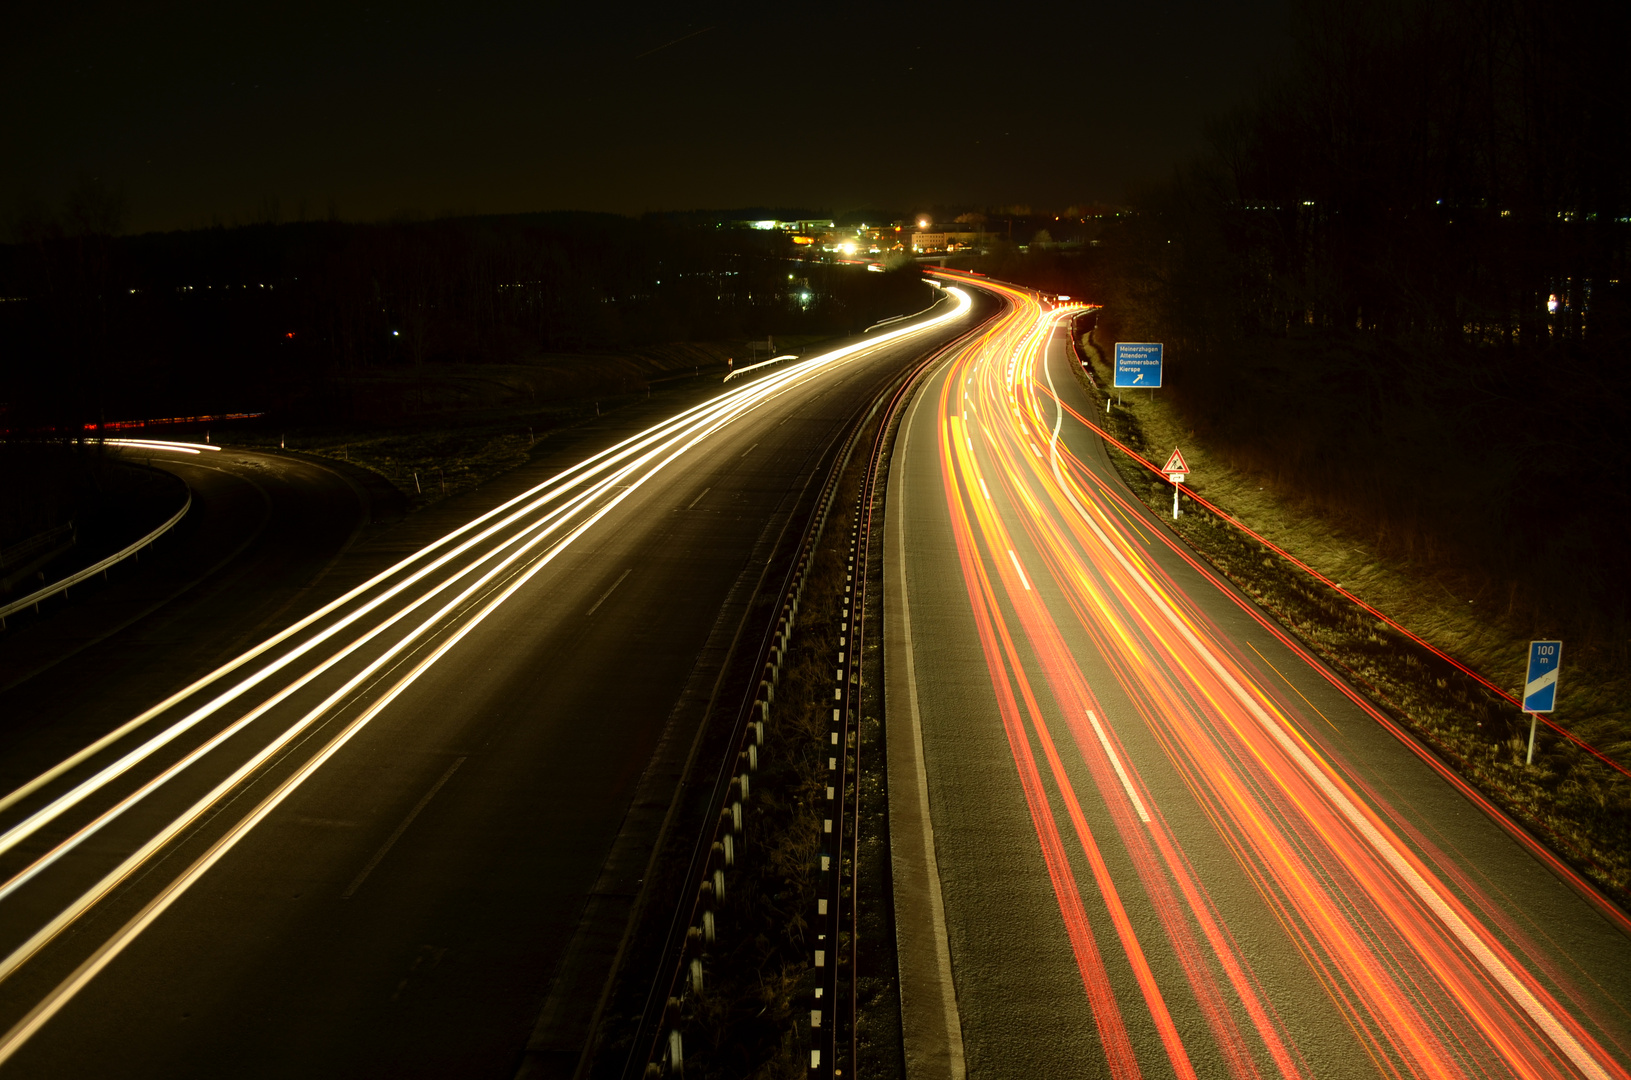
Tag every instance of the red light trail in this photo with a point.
(1431, 979)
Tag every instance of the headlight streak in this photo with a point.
(505, 566)
(90, 897)
(533, 499)
(728, 406)
(1427, 988)
(403, 644)
(544, 528)
(539, 496)
(160, 444)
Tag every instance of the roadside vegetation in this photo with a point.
(1570, 800)
(1397, 293)
(1395, 301)
(476, 432)
(752, 1019)
(755, 1020)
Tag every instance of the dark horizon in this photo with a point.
(195, 118)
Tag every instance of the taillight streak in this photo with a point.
(1426, 986)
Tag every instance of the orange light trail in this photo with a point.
(1431, 981)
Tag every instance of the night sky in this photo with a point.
(198, 112)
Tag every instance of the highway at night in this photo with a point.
(1166, 843)
(365, 845)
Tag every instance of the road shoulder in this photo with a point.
(930, 1025)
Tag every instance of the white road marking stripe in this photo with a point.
(400, 829)
(608, 592)
(1115, 763)
(1019, 570)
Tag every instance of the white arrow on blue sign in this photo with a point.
(1138, 363)
(1540, 687)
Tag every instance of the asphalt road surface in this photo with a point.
(362, 847)
(1167, 843)
(262, 528)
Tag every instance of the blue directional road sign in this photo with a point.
(1138, 363)
(1540, 688)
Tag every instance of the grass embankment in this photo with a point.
(1576, 804)
(447, 458)
(439, 432)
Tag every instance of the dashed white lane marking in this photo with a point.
(609, 591)
(1115, 763)
(400, 829)
(1019, 570)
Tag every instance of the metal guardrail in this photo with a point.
(33, 546)
(33, 599)
(837, 998)
(680, 972)
(657, 1047)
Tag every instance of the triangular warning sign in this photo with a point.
(1175, 463)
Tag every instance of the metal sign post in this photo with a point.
(1138, 363)
(1540, 686)
(1177, 471)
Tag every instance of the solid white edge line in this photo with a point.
(957, 1067)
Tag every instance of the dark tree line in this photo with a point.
(97, 327)
(1398, 286)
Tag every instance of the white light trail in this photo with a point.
(485, 562)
